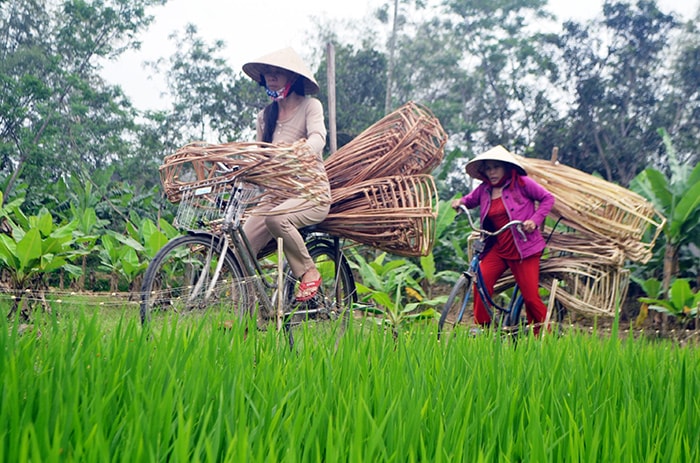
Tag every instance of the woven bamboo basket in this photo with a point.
(581, 244)
(590, 204)
(280, 171)
(408, 141)
(585, 286)
(395, 214)
(588, 287)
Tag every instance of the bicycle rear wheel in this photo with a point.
(517, 318)
(179, 279)
(455, 308)
(335, 298)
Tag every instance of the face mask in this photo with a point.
(277, 95)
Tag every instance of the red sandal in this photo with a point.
(308, 286)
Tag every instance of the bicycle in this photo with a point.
(506, 318)
(212, 266)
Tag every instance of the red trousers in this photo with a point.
(527, 276)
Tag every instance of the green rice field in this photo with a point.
(90, 387)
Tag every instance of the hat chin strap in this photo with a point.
(277, 95)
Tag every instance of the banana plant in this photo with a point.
(681, 303)
(88, 230)
(390, 290)
(126, 256)
(34, 248)
(119, 257)
(677, 197)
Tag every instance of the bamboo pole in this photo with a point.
(550, 307)
(280, 284)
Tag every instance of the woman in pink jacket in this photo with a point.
(507, 193)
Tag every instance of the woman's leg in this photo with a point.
(527, 275)
(287, 225)
(492, 267)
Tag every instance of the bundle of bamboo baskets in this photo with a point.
(607, 225)
(599, 208)
(382, 193)
(396, 214)
(585, 285)
(408, 141)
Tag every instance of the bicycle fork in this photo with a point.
(204, 274)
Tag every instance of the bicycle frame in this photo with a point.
(235, 238)
(473, 272)
(473, 277)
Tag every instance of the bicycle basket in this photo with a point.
(204, 206)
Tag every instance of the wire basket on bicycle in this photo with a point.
(203, 205)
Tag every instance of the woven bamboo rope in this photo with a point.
(406, 142)
(395, 214)
(590, 204)
(281, 171)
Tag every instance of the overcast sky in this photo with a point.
(253, 28)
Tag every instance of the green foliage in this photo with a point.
(620, 88)
(677, 197)
(59, 115)
(35, 247)
(451, 242)
(652, 287)
(211, 102)
(126, 257)
(682, 303)
(392, 290)
(109, 391)
(360, 75)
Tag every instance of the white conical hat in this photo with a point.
(497, 153)
(285, 58)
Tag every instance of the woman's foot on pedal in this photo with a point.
(308, 287)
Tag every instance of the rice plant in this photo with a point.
(79, 388)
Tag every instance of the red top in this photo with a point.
(505, 244)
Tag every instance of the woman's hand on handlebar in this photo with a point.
(529, 226)
(456, 203)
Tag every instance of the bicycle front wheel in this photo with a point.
(336, 295)
(186, 276)
(456, 306)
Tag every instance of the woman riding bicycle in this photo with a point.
(507, 193)
(291, 116)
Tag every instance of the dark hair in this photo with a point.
(272, 111)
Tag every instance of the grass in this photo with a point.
(88, 387)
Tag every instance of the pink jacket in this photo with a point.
(519, 200)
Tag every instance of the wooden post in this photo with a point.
(280, 283)
(332, 135)
(550, 307)
(555, 155)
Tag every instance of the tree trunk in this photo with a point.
(670, 270)
(392, 53)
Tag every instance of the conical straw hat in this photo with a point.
(285, 58)
(497, 153)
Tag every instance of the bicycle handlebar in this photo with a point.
(518, 224)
